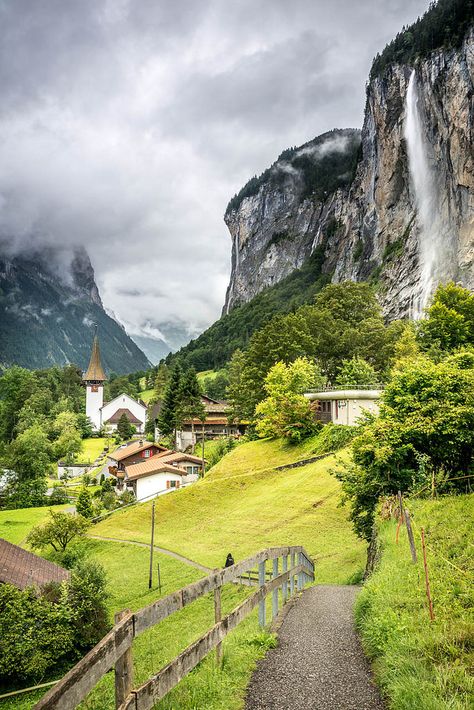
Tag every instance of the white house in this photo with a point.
(108, 414)
(135, 411)
(151, 478)
(344, 406)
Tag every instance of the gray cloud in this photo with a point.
(126, 126)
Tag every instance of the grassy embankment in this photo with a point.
(242, 506)
(418, 663)
(16, 524)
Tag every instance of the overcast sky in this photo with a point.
(127, 125)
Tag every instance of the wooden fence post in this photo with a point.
(427, 581)
(411, 539)
(217, 618)
(292, 576)
(275, 591)
(261, 605)
(123, 669)
(300, 574)
(284, 586)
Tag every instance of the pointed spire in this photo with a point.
(95, 372)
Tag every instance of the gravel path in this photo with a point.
(319, 663)
(163, 550)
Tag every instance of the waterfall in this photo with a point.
(435, 240)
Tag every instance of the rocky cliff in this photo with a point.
(49, 303)
(404, 218)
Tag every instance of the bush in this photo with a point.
(223, 447)
(58, 531)
(59, 495)
(35, 635)
(87, 594)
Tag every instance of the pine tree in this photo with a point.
(190, 400)
(124, 427)
(84, 504)
(169, 415)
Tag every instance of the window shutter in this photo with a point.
(168, 483)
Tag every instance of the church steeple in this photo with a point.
(93, 380)
(95, 371)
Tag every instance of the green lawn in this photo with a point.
(91, 448)
(16, 524)
(146, 395)
(251, 510)
(418, 663)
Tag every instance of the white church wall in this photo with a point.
(124, 401)
(94, 402)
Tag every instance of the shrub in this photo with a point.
(58, 531)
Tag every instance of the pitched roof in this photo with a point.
(134, 447)
(118, 413)
(151, 466)
(126, 396)
(95, 372)
(24, 569)
(168, 457)
(208, 421)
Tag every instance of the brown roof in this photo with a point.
(134, 447)
(151, 466)
(95, 372)
(24, 569)
(208, 421)
(220, 408)
(168, 457)
(116, 416)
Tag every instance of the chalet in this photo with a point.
(134, 452)
(191, 464)
(216, 425)
(151, 478)
(107, 415)
(344, 406)
(24, 569)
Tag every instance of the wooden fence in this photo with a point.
(115, 649)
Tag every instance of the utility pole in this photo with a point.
(150, 579)
(203, 459)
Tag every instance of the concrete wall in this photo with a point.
(347, 411)
(152, 485)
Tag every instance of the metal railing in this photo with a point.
(115, 649)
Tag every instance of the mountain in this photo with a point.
(49, 303)
(154, 349)
(392, 204)
(404, 216)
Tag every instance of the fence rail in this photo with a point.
(115, 649)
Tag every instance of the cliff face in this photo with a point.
(406, 221)
(48, 305)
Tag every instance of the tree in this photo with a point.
(168, 419)
(190, 404)
(161, 380)
(423, 436)
(124, 427)
(450, 321)
(69, 440)
(285, 412)
(58, 531)
(29, 455)
(16, 386)
(237, 391)
(84, 504)
(87, 596)
(356, 372)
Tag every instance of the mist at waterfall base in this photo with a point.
(435, 247)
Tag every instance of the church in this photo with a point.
(106, 415)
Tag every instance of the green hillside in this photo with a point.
(244, 505)
(418, 663)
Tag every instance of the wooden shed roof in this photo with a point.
(24, 569)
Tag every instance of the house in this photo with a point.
(108, 415)
(191, 464)
(134, 452)
(151, 478)
(24, 569)
(344, 406)
(216, 425)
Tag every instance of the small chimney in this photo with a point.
(140, 443)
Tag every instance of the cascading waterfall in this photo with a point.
(435, 243)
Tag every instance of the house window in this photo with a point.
(147, 453)
(172, 484)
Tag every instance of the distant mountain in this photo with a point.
(48, 306)
(154, 349)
